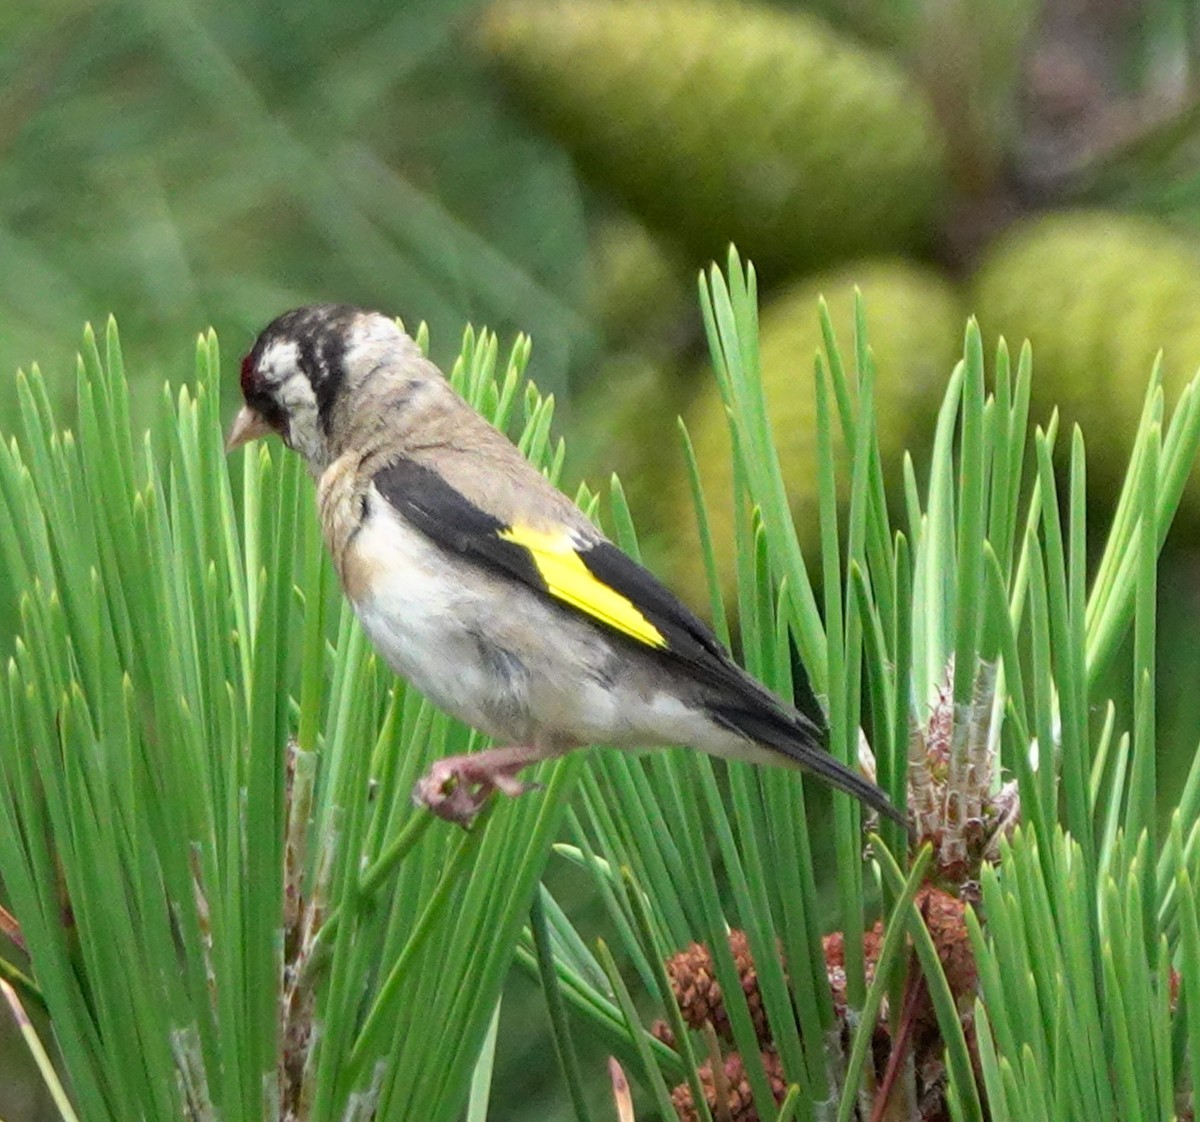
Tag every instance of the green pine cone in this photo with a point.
(640, 292)
(718, 122)
(914, 326)
(1097, 294)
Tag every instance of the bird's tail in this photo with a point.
(794, 736)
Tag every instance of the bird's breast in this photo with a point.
(429, 621)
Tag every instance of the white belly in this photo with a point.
(423, 621)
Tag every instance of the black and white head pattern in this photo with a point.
(295, 371)
(306, 362)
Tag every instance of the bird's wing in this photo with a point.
(582, 572)
(586, 574)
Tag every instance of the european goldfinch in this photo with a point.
(487, 588)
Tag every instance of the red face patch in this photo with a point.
(247, 374)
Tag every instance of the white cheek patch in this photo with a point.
(280, 367)
(280, 360)
(297, 397)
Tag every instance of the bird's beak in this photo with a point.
(247, 425)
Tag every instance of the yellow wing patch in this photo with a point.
(569, 579)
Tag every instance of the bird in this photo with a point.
(486, 587)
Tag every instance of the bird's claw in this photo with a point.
(448, 798)
(456, 788)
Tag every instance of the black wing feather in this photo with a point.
(449, 518)
(692, 643)
(739, 702)
(680, 627)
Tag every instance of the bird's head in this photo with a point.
(304, 369)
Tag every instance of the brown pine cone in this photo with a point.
(834, 946)
(697, 990)
(739, 944)
(660, 1030)
(945, 918)
(741, 1100)
(694, 983)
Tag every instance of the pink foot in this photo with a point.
(456, 787)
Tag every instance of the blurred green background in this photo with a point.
(563, 167)
(191, 164)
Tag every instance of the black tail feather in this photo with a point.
(794, 736)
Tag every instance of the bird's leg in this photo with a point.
(455, 788)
